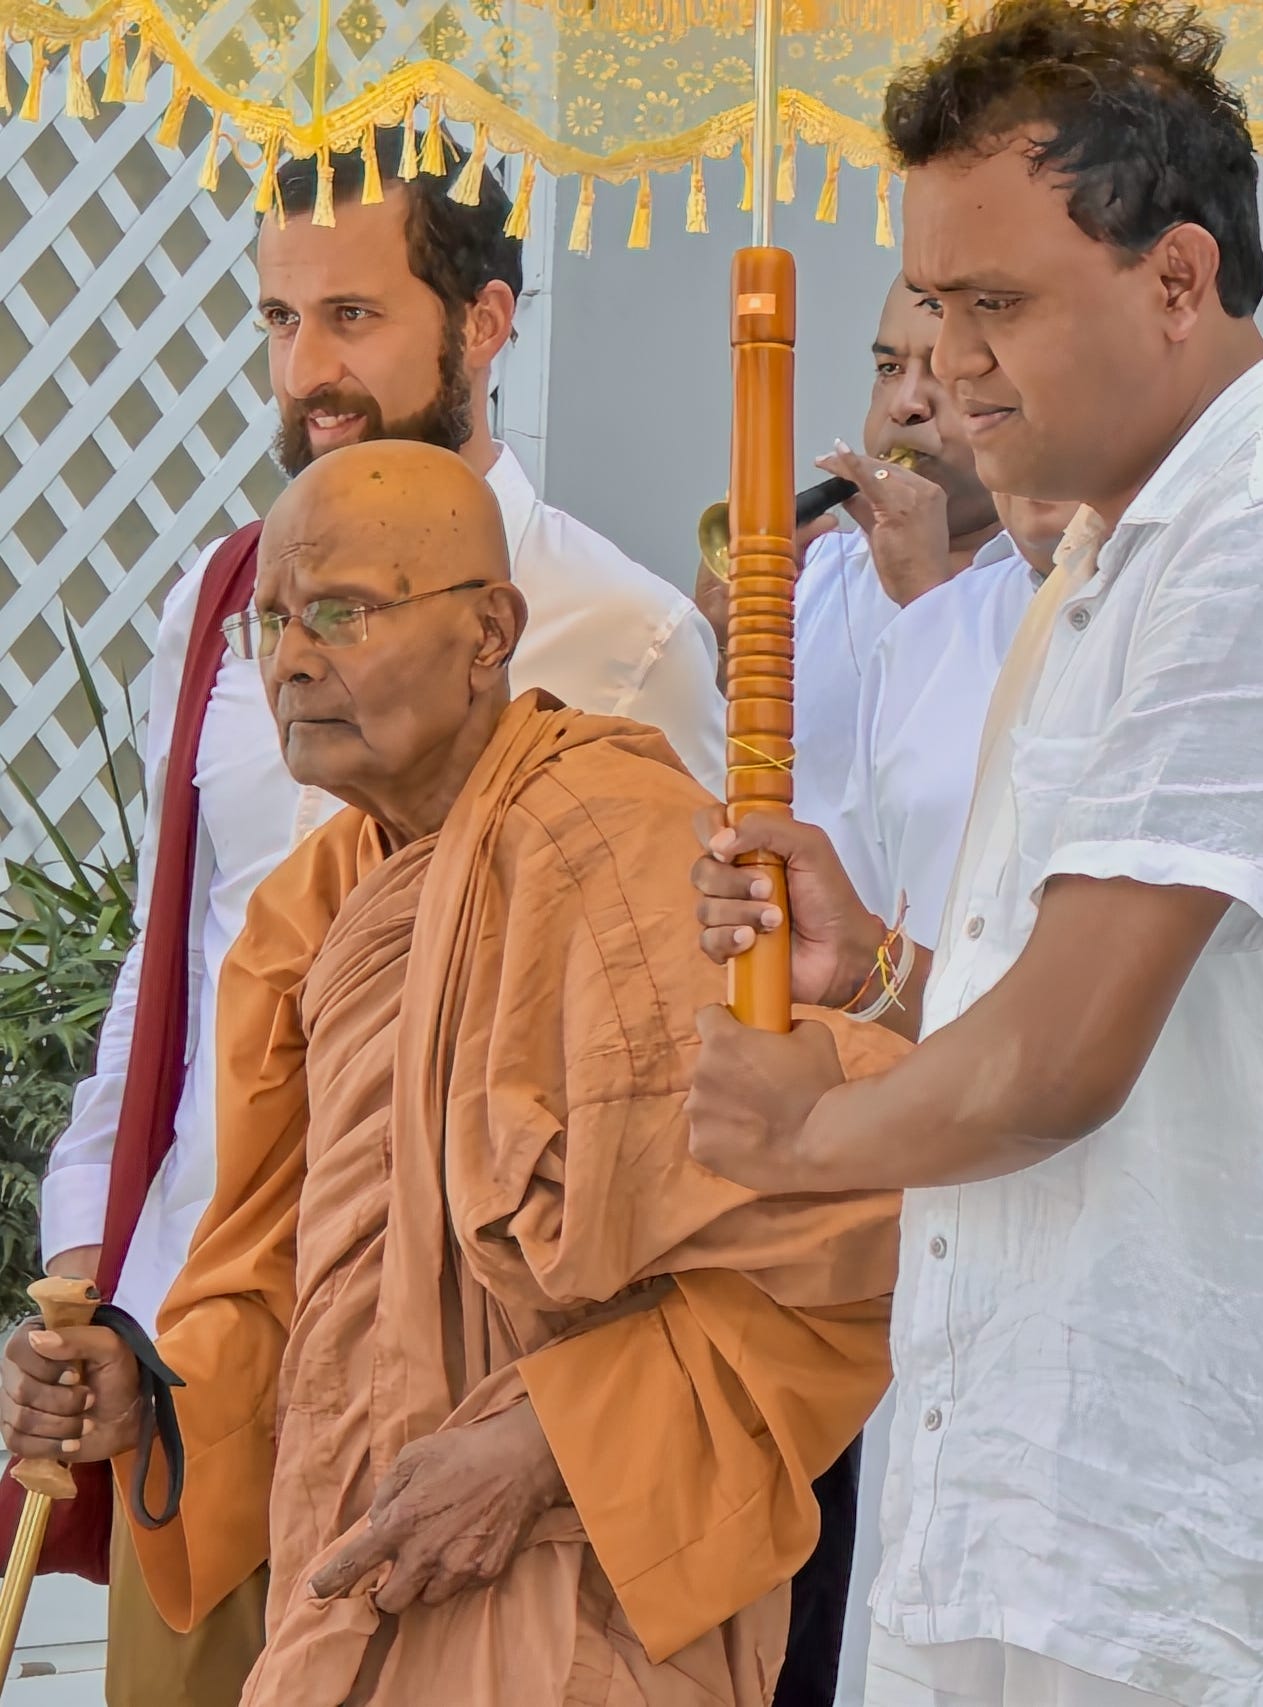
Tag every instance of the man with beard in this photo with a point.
(385, 325)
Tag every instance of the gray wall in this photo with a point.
(639, 392)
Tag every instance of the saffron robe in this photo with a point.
(453, 1173)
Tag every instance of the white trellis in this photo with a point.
(135, 422)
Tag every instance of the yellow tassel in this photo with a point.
(372, 170)
(747, 183)
(35, 88)
(885, 225)
(116, 71)
(642, 219)
(518, 223)
(408, 154)
(467, 190)
(267, 196)
(581, 230)
(322, 213)
(827, 206)
(79, 102)
(208, 177)
(6, 105)
(168, 132)
(138, 82)
(433, 154)
(787, 171)
(695, 218)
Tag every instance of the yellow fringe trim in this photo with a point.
(322, 213)
(746, 204)
(467, 190)
(695, 215)
(79, 102)
(581, 231)
(642, 219)
(208, 177)
(885, 234)
(168, 132)
(138, 82)
(6, 105)
(35, 88)
(518, 223)
(267, 197)
(827, 206)
(372, 171)
(434, 154)
(116, 70)
(408, 154)
(787, 171)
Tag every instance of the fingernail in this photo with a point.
(770, 918)
(721, 841)
(89, 1399)
(841, 445)
(743, 937)
(761, 889)
(69, 1447)
(69, 1378)
(88, 1425)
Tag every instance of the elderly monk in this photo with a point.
(537, 1399)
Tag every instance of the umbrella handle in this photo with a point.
(63, 1304)
(763, 570)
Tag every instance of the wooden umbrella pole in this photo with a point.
(63, 1304)
(761, 596)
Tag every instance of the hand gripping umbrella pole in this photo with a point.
(63, 1304)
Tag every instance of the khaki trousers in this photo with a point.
(149, 1665)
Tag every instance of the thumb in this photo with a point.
(758, 832)
(336, 1579)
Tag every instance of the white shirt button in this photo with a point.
(938, 1246)
(1080, 617)
(974, 927)
(933, 1419)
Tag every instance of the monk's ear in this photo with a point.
(502, 612)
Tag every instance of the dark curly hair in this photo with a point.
(454, 249)
(1143, 133)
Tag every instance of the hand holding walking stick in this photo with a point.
(63, 1304)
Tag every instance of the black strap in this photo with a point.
(157, 1416)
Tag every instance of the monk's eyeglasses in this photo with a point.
(329, 622)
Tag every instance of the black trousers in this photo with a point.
(809, 1677)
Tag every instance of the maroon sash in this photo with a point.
(78, 1539)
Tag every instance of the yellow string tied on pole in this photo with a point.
(322, 213)
(433, 155)
(79, 102)
(642, 219)
(581, 230)
(746, 204)
(787, 170)
(467, 190)
(408, 165)
(268, 194)
(695, 218)
(827, 206)
(138, 81)
(168, 133)
(6, 105)
(885, 234)
(373, 192)
(518, 224)
(35, 88)
(208, 177)
(115, 89)
(764, 761)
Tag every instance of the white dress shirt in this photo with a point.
(1077, 1457)
(603, 634)
(922, 702)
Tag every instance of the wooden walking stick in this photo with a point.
(63, 1304)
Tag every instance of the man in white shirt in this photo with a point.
(1074, 1511)
(385, 325)
(917, 527)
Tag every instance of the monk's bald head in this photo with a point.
(387, 622)
(409, 511)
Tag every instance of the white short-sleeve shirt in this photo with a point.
(1077, 1455)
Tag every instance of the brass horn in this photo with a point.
(809, 506)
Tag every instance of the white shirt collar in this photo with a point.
(995, 551)
(515, 495)
(1207, 445)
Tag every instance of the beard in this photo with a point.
(446, 422)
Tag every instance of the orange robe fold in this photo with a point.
(454, 1173)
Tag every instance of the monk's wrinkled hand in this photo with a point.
(452, 1514)
(751, 1095)
(73, 1394)
(834, 937)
